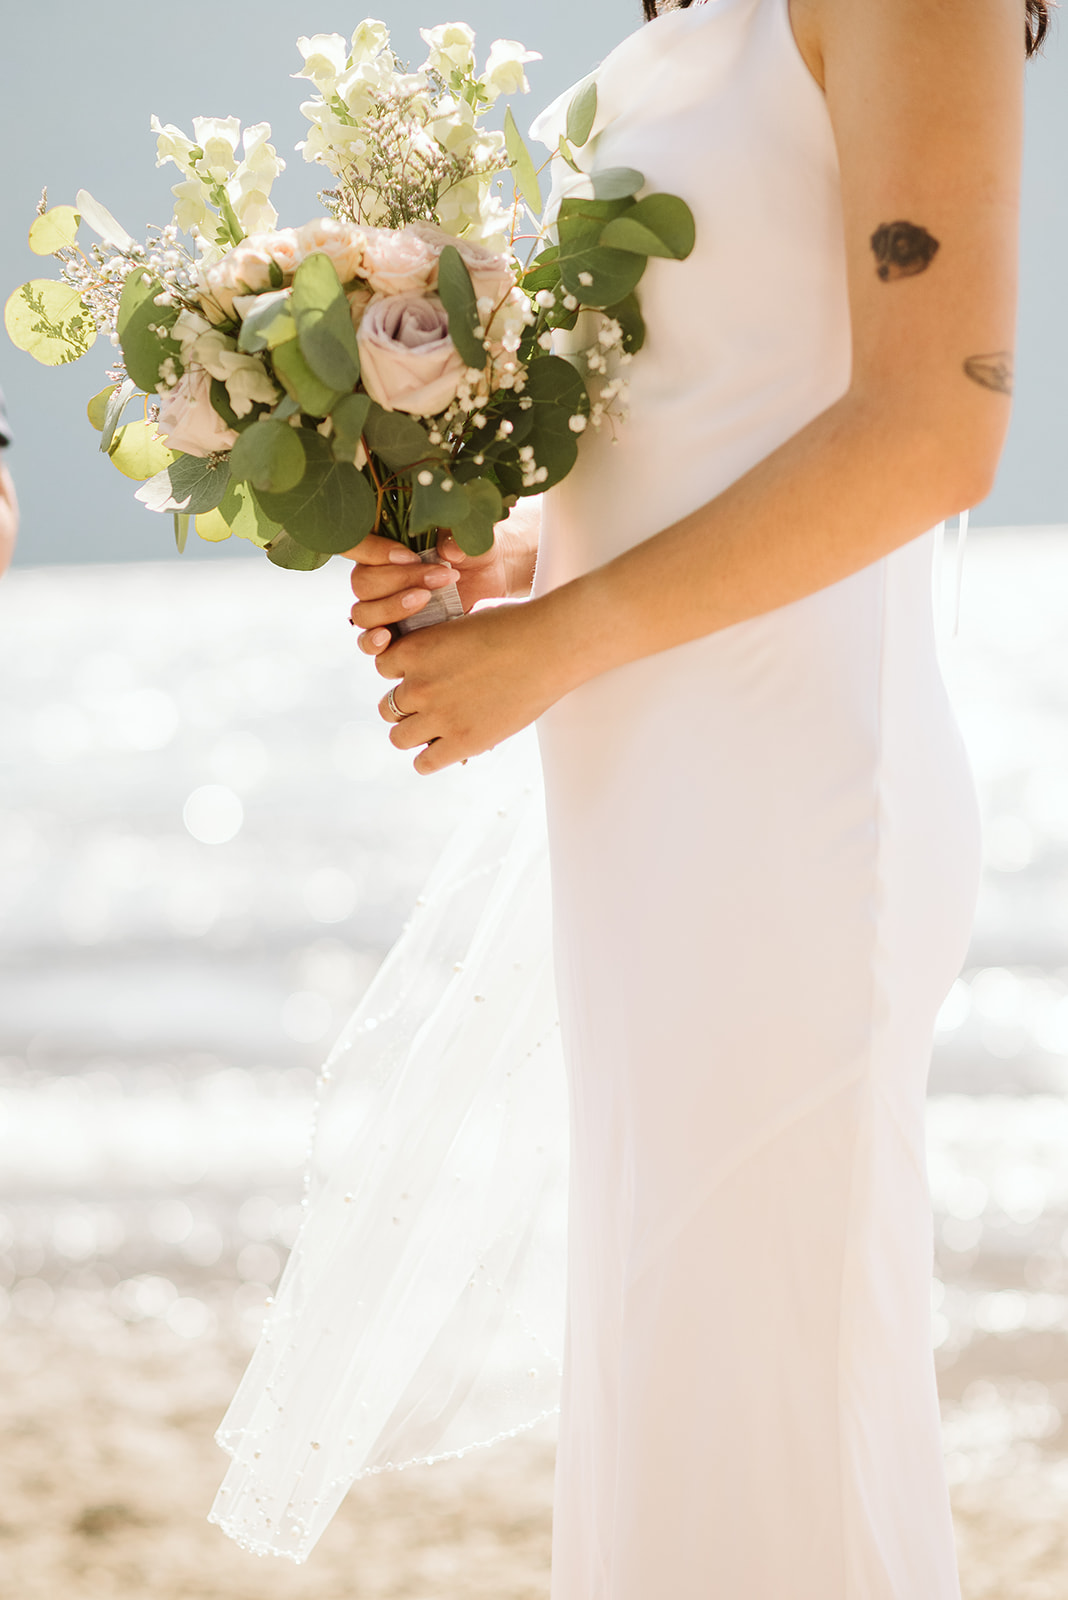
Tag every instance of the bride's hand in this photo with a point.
(391, 583)
(469, 684)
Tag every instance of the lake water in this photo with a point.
(206, 846)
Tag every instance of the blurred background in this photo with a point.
(206, 846)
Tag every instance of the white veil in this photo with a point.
(422, 1308)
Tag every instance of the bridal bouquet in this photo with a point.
(388, 367)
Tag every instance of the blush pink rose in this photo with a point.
(343, 242)
(246, 269)
(188, 419)
(398, 261)
(492, 273)
(407, 359)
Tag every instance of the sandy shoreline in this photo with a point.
(110, 1466)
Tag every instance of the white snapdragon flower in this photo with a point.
(460, 207)
(454, 127)
(218, 138)
(370, 40)
(326, 56)
(172, 145)
(251, 203)
(261, 156)
(452, 48)
(188, 328)
(245, 376)
(190, 205)
(504, 69)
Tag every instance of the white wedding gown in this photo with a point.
(764, 856)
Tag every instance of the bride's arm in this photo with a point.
(925, 98)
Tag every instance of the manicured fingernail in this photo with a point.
(415, 599)
(380, 637)
(401, 553)
(438, 577)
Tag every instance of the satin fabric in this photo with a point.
(764, 850)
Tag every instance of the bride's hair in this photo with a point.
(1037, 25)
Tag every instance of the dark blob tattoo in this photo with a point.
(993, 371)
(902, 249)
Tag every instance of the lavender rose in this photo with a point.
(188, 419)
(408, 361)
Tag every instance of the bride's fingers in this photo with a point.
(375, 641)
(438, 755)
(375, 551)
(379, 613)
(378, 582)
(411, 733)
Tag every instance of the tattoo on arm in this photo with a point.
(902, 249)
(993, 371)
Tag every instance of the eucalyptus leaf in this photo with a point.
(440, 503)
(554, 381)
(97, 409)
(55, 230)
(616, 183)
(313, 396)
(324, 324)
(269, 455)
(268, 323)
(524, 172)
(544, 271)
(457, 294)
(138, 451)
(333, 506)
(50, 321)
(142, 328)
(181, 530)
(349, 417)
(102, 222)
(192, 484)
(397, 439)
(563, 150)
(117, 403)
(599, 276)
(582, 113)
(246, 517)
(212, 526)
(628, 313)
(485, 508)
(285, 552)
(659, 225)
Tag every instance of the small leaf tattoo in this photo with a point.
(902, 249)
(993, 371)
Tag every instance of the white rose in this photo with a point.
(243, 270)
(189, 421)
(399, 261)
(504, 68)
(247, 382)
(452, 48)
(217, 137)
(325, 57)
(342, 242)
(408, 361)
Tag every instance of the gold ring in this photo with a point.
(391, 702)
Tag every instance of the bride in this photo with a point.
(763, 836)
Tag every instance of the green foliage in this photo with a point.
(458, 297)
(97, 409)
(324, 324)
(141, 327)
(50, 321)
(181, 530)
(192, 484)
(269, 455)
(284, 551)
(524, 172)
(246, 517)
(119, 398)
(349, 417)
(553, 381)
(220, 404)
(469, 510)
(55, 230)
(333, 506)
(315, 398)
(101, 221)
(582, 113)
(616, 183)
(397, 439)
(138, 451)
(612, 274)
(659, 225)
(628, 313)
(268, 323)
(544, 272)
